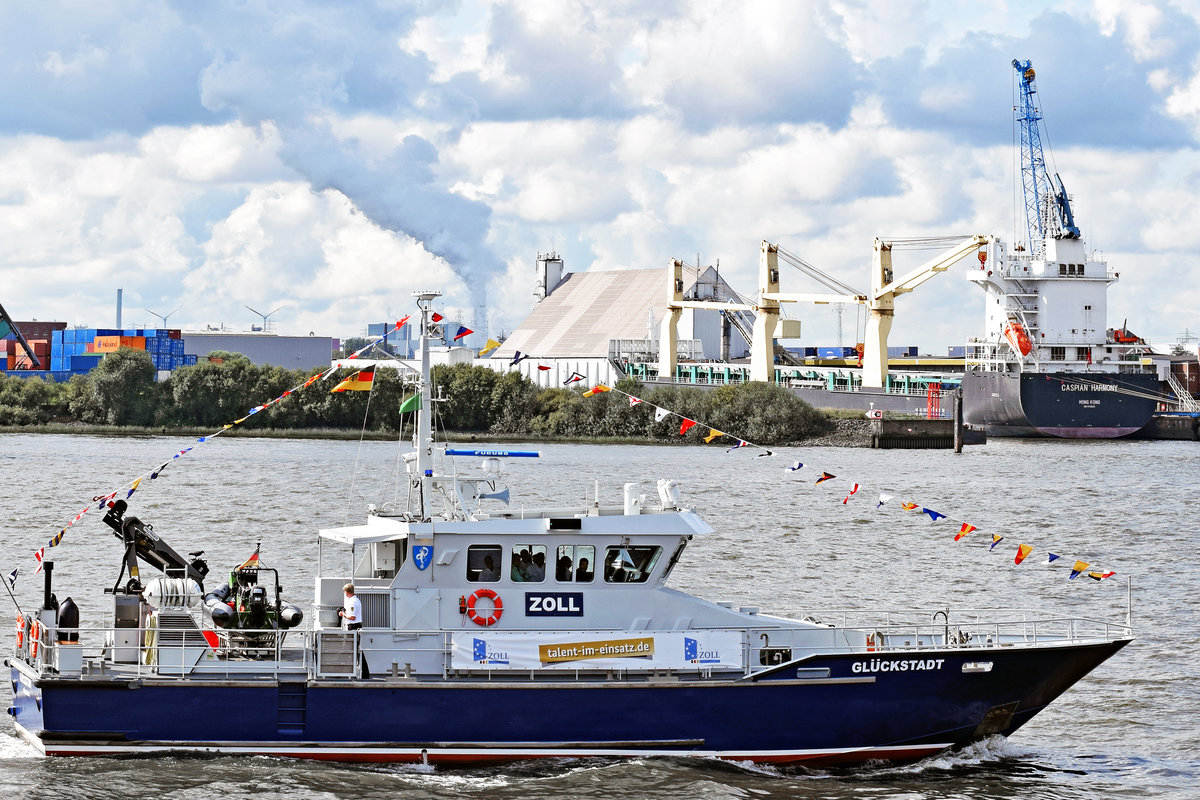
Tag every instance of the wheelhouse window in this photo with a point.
(528, 563)
(575, 563)
(630, 563)
(483, 563)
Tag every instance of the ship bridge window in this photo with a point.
(575, 563)
(1058, 354)
(483, 563)
(630, 563)
(528, 563)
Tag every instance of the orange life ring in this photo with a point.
(20, 630)
(35, 636)
(871, 648)
(480, 619)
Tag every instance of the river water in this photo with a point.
(781, 543)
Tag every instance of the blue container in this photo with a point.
(86, 361)
(829, 352)
(957, 351)
(176, 346)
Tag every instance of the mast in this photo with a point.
(422, 435)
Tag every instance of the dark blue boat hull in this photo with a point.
(1067, 405)
(827, 710)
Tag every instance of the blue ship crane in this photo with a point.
(1047, 207)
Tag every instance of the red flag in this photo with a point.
(687, 423)
(966, 528)
(400, 323)
(543, 368)
(436, 317)
(846, 499)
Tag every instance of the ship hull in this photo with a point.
(1059, 404)
(826, 710)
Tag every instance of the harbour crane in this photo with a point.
(7, 326)
(1047, 207)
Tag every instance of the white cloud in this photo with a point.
(87, 57)
(621, 134)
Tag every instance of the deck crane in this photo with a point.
(880, 302)
(1047, 208)
(766, 310)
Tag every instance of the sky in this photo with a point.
(327, 159)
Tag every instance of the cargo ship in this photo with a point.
(1047, 364)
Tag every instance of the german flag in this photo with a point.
(358, 382)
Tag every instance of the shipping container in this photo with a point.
(85, 362)
(110, 344)
(957, 351)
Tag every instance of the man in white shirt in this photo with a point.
(351, 611)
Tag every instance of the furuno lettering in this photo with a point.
(896, 665)
(554, 604)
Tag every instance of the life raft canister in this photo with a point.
(489, 619)
(20, 631)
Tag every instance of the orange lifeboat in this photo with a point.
(1018, 338)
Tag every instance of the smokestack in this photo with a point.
(119, 308)
(481, 322)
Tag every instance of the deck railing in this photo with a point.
(145, 653)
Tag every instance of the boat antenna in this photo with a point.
(422, 437)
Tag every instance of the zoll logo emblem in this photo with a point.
(554, 604)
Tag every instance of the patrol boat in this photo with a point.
(517, 635)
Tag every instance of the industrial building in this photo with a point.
(290, 352)
(589, 322)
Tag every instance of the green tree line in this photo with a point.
(122, 391)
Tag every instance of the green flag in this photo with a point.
(411, 404)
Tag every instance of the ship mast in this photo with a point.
(422, 435)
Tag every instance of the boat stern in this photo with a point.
(26, 708)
